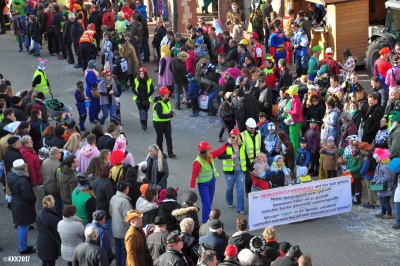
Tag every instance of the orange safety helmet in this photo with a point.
(234, 132)
(105, 71)
(163, 90)
(91, 26)
(204, 146)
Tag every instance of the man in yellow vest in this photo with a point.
(162, 114)
(253, 143)
(40, 83)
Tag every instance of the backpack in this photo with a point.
(44, 152)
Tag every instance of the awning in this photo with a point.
(327, 2)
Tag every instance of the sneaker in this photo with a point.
(193, 115)
(241, 212)
(369, 206)
(178, 107)
(97, 119)
(396, 226)
(220, 139)
(379, 215)
(20, 50)
(30, 250)
(171, 155)
(93, 122)
(230, 206)
(388, 216)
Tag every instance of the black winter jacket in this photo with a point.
(372, 121)
(47, 221)
(241, 240)
(56, 22)
(165, 209)
(178, 69)
(103, 190)
(247, 107)
(159, 34)
(23, 199)
(10, 155)
(188, 211)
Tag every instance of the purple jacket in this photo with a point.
(313, 139)
(85, 156)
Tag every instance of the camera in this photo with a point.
(291, 48)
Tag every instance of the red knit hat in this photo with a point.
(231, 250)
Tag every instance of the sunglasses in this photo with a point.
(232, 137)
(252, 128)
(107, 75)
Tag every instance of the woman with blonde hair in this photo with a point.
(156, 168)
(272, 246)
(73, 145)
(234, 167)
(48, 239)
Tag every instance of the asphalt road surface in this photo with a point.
(354, 238)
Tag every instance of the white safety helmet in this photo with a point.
(251, 123)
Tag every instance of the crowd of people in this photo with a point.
(283, 128)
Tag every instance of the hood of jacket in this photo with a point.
(168, 205)
(165, 51)
(66, 173)
(201, 51)
(184, 210)
(145, 206)
(12, 177)
(88, 150)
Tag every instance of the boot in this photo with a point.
(193, 114)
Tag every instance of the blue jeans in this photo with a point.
(154, 4)
(177, 93)
(238, 178)
(105, 108)
(94, 109)
(206, 191)
(284, 127)
(37, 49)
(385, 205)
(211, 97)
(301, 64)
(107, 226)
(120, 252)
(165, 9)
(23, 237)
(146, 48)
(397, 207)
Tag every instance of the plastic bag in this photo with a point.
(203, 102)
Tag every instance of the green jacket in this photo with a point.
(354, 164)
(394, 142)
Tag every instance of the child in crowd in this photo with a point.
(303, 154)
(279, 166)
(367, 172)
(336, 89)
(227, 121)
(193, 94)
(383, 175)
(81, 104)
(108, 53)
(302, 176)
(164, 73)
(120, 70)
(237, 30)
(287, 149)
(263, 124)
(260, 166)
(313, 139)
(271, 141)
(18, 25)
(331, 156)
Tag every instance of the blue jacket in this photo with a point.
(264, 129)
(142, 11)
(91, 80)
(103, 240)
(217, 242)
(193, 89)
(302, 157)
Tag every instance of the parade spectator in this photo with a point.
(107, 89)
(135, 241)
(83, 198)
(188, 209)
(231, 256)
(179, 72)
(394, 134)
(383, 95)
(71, 230)
(58, 140)
(103, 239)
(394, 100)
(205, 228)
(89, 252)
(315, 16)
(233, 14)
(374, 115)
(393, 74)
(87, 153)
(48, 238)
(314, 62)
(209, 258)
(300, 44)
(173, 256)
(189, 241)
(330, 126)
(143, 90)
(66, 177)
(352, 87)
(127, 51)
(166, 208)
(148, 206)
(382, 66)
(213, 238)
(119, 207)
(23, 199)
(293, 110)
(331, 155)
(354, 165)
(157, 241)
(56, 21)
(159, 33)
(241, 238)
(32, 160)
(330, 62)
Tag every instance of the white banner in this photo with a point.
(300, 202)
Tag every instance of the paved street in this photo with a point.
(356, 238)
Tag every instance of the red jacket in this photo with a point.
(49, 17)
(126, 10)
(383, 67)
(32, 160)
(332, 64)
(108, 19)
(191, 62)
